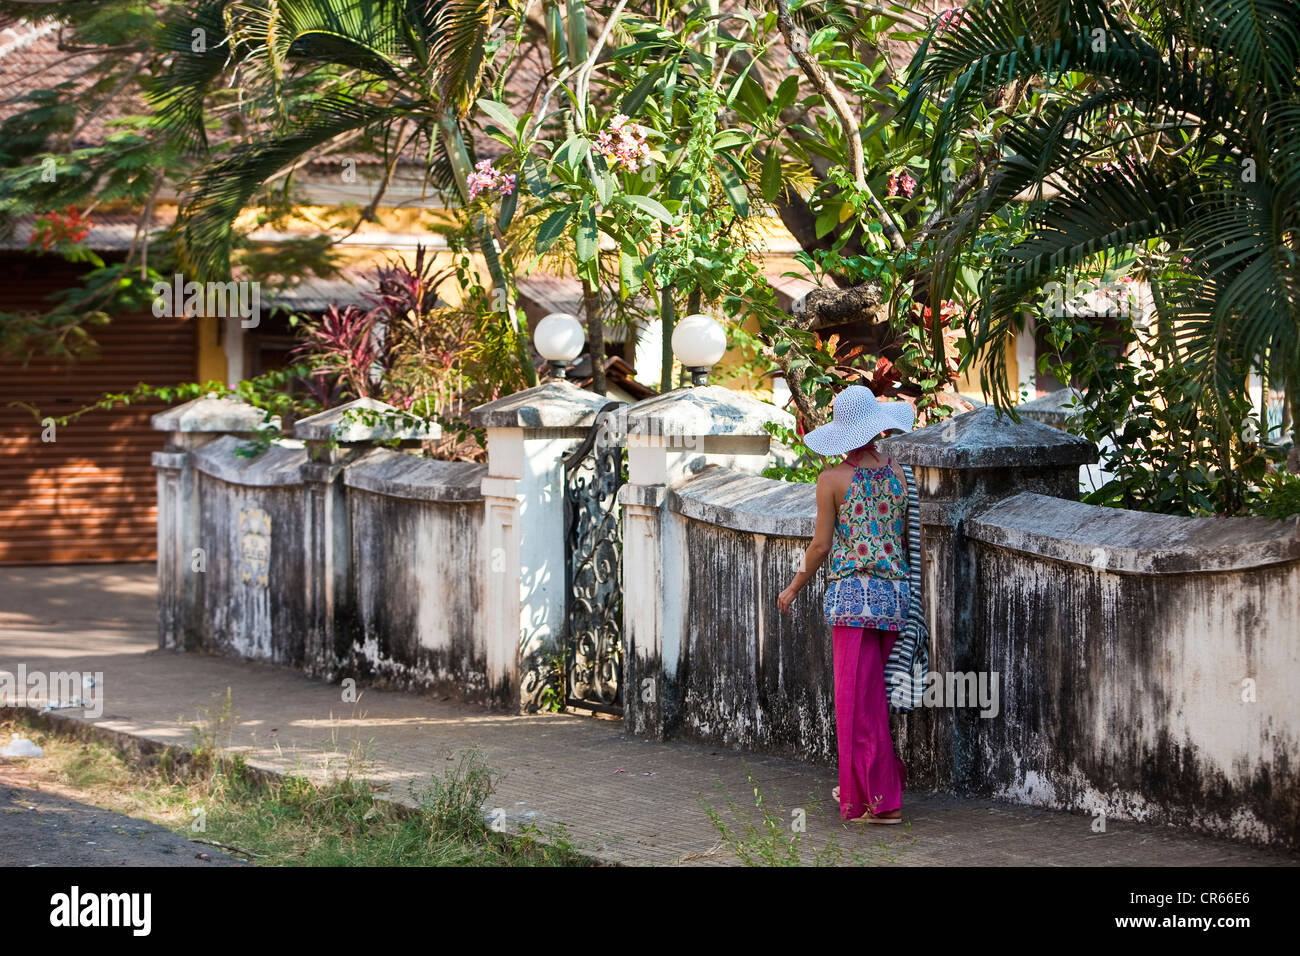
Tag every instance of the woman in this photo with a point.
(861, 525)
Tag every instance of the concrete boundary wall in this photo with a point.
(1147, 662)
(1142, 666)
(334, 557)
(251, 594)
(416, 528)
(346, 560)
(1138, 666)
(740, 673)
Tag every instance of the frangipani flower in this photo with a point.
(623, 144)
(485, 178)
(949, 20)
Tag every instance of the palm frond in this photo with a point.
(1099, 210)
(1238, 238)
(460, 50)
(218, 192)
(367, 35)
(198, 51)
(1261, 38)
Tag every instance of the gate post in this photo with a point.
(528, 435)
(188, 427)
(335, 438)
(671, 437)
(961, 466)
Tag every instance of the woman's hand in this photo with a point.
(786, 598)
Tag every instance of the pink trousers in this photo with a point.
(871, 776)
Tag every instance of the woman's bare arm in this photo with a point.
(814, 556)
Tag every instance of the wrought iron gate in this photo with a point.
(593, 534)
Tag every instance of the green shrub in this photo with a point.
(1278, 496)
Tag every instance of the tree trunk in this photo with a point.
(667, 320)
(595, 337)
(859, 303)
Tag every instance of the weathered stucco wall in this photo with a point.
(250, 598)
(741, 673)
(368, 567)
(1144, 662)
(1147, 665)
(416, 530)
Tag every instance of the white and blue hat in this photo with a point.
(858, 417)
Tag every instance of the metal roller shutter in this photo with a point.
(88, 496)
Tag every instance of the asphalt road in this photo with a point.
(38, 828)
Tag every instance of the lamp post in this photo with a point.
(699, 341)
(559, 339)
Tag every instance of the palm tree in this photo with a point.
(400, 73)
(1206, 163)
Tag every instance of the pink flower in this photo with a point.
(949, 20)
(902, 182)
(623, 144)
(486, 179)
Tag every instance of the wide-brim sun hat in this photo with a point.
(858, 417)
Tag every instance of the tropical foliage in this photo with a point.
(940, 170)
(1162, 141)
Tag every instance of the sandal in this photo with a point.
(879, 819)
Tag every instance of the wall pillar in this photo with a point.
(670, 438)
(335, 438)
(181, 556)
(528, 435)
(963, 465)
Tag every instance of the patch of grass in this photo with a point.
(211, 795)
(772, 840)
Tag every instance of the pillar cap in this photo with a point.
(1055, 408)
(399, 474)
(983, 438)
(551, 405)
(345, 424)
(704, 411)
(212, 414)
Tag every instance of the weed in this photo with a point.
(773, 841)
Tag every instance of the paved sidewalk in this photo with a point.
(621, 799)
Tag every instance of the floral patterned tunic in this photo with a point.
(867, 578)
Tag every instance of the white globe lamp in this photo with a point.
(559, 339)
(699, 341)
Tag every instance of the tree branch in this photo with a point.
(798, 44)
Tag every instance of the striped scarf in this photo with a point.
(909, 661)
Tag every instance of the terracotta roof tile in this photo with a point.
(30, 60)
